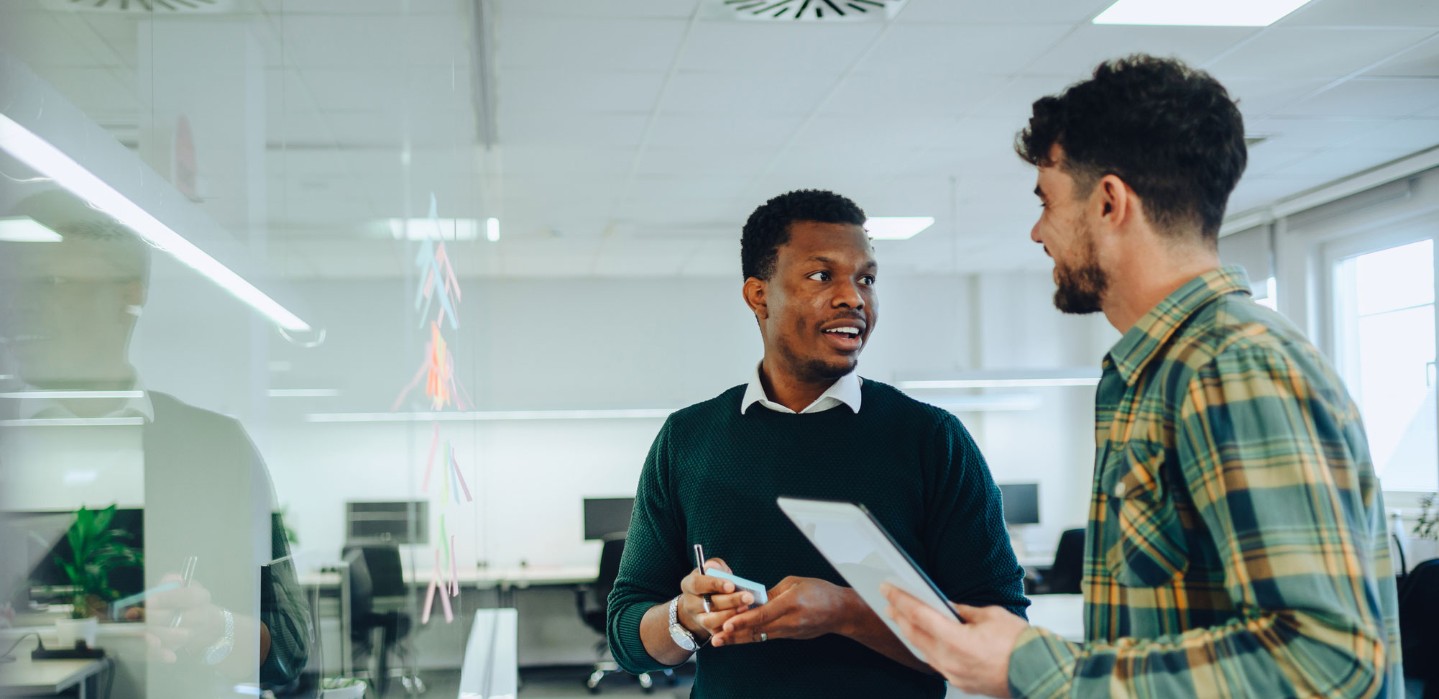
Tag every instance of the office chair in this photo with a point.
(379, 599)
(1068, 569)
(1419, 625)
(594, 615)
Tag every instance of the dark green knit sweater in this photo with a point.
(711, 478)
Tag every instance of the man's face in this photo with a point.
(820, 302)
(1067, 234)
(63, 312)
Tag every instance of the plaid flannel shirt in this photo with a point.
(1236, 544)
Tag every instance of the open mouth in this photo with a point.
(847, 338)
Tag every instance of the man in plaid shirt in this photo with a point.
(1236, 543)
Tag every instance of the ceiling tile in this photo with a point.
(762, 48)
(1336, 163)
(525, 91)
(596, 9)
(589, 44)
(561, 129)
(1385, 13)
(1368, 97)
(731, 129)
(775, 93)
(702, 159)
(1294, 52)
(938, 49)
(1077, 55)
(1008, 12)
(878, 97)
(543, 159)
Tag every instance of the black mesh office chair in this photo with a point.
(379, 615)
(1068, 569)
(592, 601)
(1419, 625)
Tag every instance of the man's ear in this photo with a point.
(1116, 201)
(133, 293)
(755, 296)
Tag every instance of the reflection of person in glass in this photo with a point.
(222, 586)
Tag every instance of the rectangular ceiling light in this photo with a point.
(23, 229)
(1199, 13)
(434, 228)
(50, 162)
(896, 227)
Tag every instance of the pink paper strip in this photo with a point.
(461, 476)
(429, 602)
(454, 569)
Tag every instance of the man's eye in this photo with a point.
(819, 276)
(868, 279)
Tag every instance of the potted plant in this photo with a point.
(96, 548)
(1426, 528)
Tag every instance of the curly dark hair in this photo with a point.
(1171, 132)
(768, 227)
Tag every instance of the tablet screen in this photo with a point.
(865, 555)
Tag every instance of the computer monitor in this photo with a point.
(1021, 502)
(44, 542)
(605, 516)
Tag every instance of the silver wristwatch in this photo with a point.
(681, 635)
(219, 650)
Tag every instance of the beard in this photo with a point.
(1081, 287)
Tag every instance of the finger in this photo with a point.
(972, 615)
(714, 622)
(718, 563)
(752, 619)
(696, 584)
(742, 598)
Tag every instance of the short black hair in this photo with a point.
(1171, 132)
(768, 227)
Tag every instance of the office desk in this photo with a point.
(479, 578)
(27, 678)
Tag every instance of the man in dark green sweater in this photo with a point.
(806, 425)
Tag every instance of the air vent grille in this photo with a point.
(813, 10)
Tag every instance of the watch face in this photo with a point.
(682, 637)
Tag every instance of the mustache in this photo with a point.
(853, 315)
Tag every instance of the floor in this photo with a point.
(551, 683)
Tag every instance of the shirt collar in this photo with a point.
(845, 390)
(31, 403)
(1142, 343)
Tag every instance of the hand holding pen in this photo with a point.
(708, 602)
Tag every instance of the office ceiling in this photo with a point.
(632, 137)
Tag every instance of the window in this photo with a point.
(1384, 342)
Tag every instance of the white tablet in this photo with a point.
(853, 541)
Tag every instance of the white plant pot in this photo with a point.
(353, 691)
(68, 631)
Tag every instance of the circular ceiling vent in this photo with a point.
(141, 6)
(812, 10)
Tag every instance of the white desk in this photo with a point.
(26, 677)
(483, 579)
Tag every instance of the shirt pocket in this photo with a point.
(1147, 546)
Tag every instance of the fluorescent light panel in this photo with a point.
(492, 230)
(51, 162)
(896, 227)
(72, 395)
(1199, 13)
(434, 228)
(23, 229)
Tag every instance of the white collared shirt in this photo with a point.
(844, 391)
(33, 403)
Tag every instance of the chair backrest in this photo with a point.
(610, 554)
(1068, 569)
(362, 588)
(1419, 620)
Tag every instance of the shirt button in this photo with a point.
(1119, 490)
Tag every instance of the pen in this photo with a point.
(700, 561)
(186, 575)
